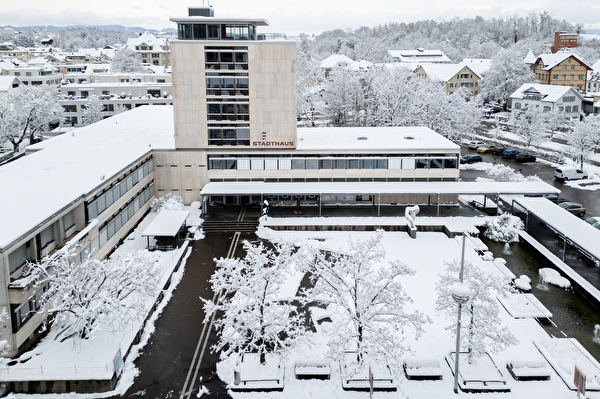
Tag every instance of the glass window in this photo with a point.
(421, 163)
(353, 164)
(312, 163)
(450, 163)
(227, 57)
(212, 56)
(339, 164)
(381, 164)
(213, 31)
(298, 163)
(435, 163)
(325, 164)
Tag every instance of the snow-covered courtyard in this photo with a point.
(535, 355)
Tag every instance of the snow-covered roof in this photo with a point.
(552, 60)
(530, 58)
(478, 65)
(149, 39)
(6, 82)
(74, 164)
(336, 60)
(419, 55)
(355, 139)
(577, 230)
(416, 188)
(166, 223)
(442, 72)
(596, 67)
(549, 93)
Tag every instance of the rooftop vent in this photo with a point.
(362, 138)
(202, 11)
(409, 137)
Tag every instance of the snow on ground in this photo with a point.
(426, 255)
(93, 358)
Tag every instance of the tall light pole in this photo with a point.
(461, 295)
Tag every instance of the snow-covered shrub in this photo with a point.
(504, 228)
(168, 201)
(498, 172)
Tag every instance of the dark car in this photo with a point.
(498, 150)
(470, 158)
(509, 154)
(524, 158)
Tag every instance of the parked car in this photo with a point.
(470, 158)
(569, 173)
(594, 221)
(522, 157)
(474, 144)
(555, 199)
(498, 150)
(485, 148)
(573, 207)
(509, 154)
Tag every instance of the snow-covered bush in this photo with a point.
(498, 172)
(167, 201)
(504, 228)
(482, 329)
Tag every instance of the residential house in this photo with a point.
(565, 99)
(561, 69)
(593, 78)
(8, 84)
(151, 49)
(452, 76)
(419, 55)
(335, 61)
(36, 73)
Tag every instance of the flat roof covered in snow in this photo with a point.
(166, 223)
(575, 229)
(69, 166)
(442, 188)
(354, 139)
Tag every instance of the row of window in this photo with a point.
(112, 225)
(110, 195)
(191, 31)
(238, 81)
(219, 135)
(338, 163)
(564, 77)
(23, 312)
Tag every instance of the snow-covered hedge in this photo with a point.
(503, 228)
(168, 201)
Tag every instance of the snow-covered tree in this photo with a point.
(504, 228)
(367, 296)
(343, 95)
(126, 61)
(531, 125)
(507, 73)
(483, 332)
(93, 111)
(252, 315)
(167, 201)
(83, 297)
(583, 137)
(26, 112)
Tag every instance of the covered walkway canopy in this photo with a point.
(167, 223)
(575, 230)
(377, 188)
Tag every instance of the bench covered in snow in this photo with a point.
(480, 376)
(356, 378)
(317, 369)
(523, 370)
(251, 375)
(416, 369)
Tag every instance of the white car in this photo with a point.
(474, 144)
(569, 173)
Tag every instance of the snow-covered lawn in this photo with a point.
(426, 255)
(100, 355)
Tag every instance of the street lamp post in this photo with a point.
(461, 295)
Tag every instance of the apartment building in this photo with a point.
(561, 69)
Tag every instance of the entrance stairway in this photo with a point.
(229, 226)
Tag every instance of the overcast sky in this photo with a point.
(286, 16)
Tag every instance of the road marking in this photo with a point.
(190, 380)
